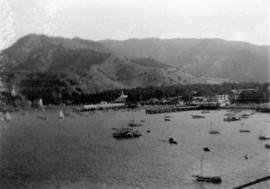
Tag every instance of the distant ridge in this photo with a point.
(233, 60)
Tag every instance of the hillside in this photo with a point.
(213, 58)
(72, 66)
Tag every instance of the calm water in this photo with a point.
(80, 152)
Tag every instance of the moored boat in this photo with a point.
(125, 133)
(7, 117)
(205, 111)
(213, 131)
(244, 131)
(197, 116)
(214, 180)
(232, 117)
(210, 179)
(263, 137)
(134, 123)
(267, 146)
(61, 115)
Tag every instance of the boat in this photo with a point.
(44, 118)
(205, 111)
(134, 123)
(167, 118)
(232, 117)
(197, 116)
(212, 131)
(262, 137)
(61, 115)
(7, 117)
(267, 146)
(244, 131)
(209, 179)
(137, 133)
(247, 114)
(172, 141)
(214, 180)
(125, 133)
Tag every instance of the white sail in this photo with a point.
(61, 115)
(7, 117)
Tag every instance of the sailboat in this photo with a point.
(7, 117)
(212, 131)
(61, 115)
(244, 130)
(262, 137)
(201, 178)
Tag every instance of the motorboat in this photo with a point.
(244, 131)
(247, 114)
(172, 141)
(267, 146)
(214, 132)
(214, 180)
(232, 117)
(125, 133)
(197, 116)
(167, 118)
(134, 123)
(263, 137)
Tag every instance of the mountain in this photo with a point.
(204, 58)
(55, 64)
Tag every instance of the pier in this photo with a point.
(168, 109)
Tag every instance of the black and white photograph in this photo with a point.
(134, 94)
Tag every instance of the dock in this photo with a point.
(168, 109)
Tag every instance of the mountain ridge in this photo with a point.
(91, 65)
(201, 57)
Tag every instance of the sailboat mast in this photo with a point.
(201, 167)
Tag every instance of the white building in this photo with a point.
(223, 100)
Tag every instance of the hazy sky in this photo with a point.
(245, 20)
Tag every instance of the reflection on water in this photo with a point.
(80, 152)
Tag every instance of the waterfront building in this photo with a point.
(236, 93)
(223, 100)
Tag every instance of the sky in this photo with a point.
(241, 20)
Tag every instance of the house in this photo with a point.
(176, 100)
(197, 100)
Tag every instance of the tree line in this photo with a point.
(58, 91)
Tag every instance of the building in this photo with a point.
(223, 100)
(198, 100)
(121, 99)
(236, 93)
(120, 102)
